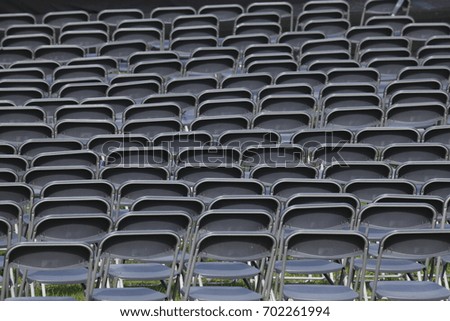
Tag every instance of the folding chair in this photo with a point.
(154, 247)
(35, 257)
(322, 245)
(426, 246)
(259, 247)
(269, 174)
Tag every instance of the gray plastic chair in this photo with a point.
(49, 258)
(322, 245)
(414, 245)
(226, 254)
(149, 248)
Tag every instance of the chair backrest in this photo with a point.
(384, 217)
(190, 205)
(369, 189)
(72, 228)
(330, 216)
(233, 221)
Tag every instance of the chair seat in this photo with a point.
(141, 271)
(411, 290)
(391, 265)
(66, 276)
(127, 294)
(318, 292)
(222, 293)
(308, 266)
(42, 298)
(225, 270)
